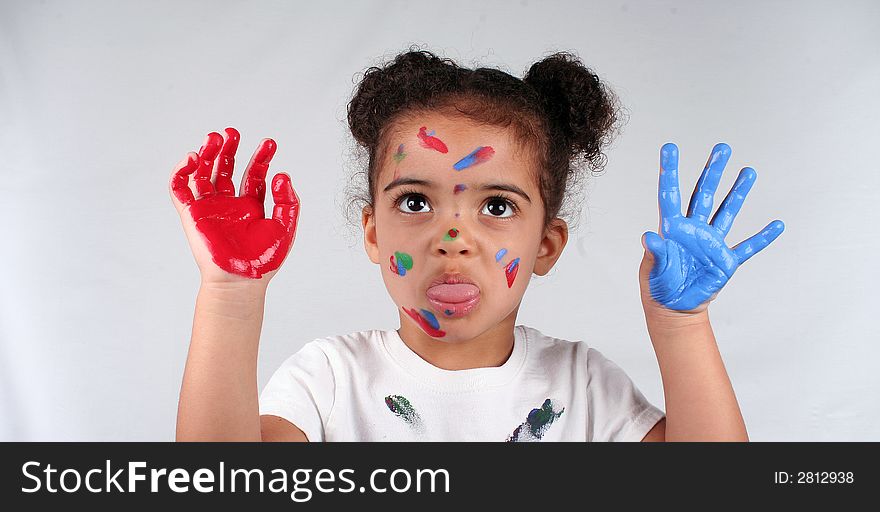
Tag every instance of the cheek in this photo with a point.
(400, 263)
(512, 258)
(507, 263)
(389, 237)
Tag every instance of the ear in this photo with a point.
(368, 220)
(555, 238)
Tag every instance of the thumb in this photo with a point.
(286, 201)
(655, 247)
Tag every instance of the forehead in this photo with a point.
(461, 136)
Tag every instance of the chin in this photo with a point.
(456, 326)
(460, 330)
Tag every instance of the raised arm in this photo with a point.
(680, 274)
(237, 251)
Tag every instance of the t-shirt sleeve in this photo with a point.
(617, 410)
(302, 391)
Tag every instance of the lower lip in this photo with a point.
(454, 309)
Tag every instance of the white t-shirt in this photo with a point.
(370, 386)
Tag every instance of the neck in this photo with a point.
(491, 348)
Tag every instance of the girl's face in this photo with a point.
(457, 225)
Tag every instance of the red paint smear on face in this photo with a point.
(394, 265)
(510, 271)
(435, 333)
(241, 240)
(484, 154)
(431, 142)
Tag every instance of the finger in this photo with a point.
(754, 244)
(723, 218)
(207, 154)
(226, 162)
(669, 197)
(253, 182)
(286, 201)
(657, 247)
(180, 178)
(704, 192)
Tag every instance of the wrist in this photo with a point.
(667, 319)
(232, 301)
(679, 335)
(676, 329)
(243, 288)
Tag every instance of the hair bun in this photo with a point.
(581, 108)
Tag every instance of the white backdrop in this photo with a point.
(99, 100)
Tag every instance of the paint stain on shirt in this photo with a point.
(537, 423)
(404, 410)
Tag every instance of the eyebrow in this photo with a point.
(505, 187)
(399, 182)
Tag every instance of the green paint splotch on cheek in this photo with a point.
(537, 423)
(404, 410)
(404, 260)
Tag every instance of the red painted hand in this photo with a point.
(232, 232)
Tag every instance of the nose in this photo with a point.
(454, 241)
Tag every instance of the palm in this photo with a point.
(692, 261)
(698, 264)
(235, 231)
(241, 240)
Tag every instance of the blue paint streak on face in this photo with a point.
(467, 161)
(401, 269)
(514, 265)
(691, 260)
(500, 254)
(432, 320)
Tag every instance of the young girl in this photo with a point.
(467, 174)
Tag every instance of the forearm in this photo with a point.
(219, 395)
(700, 402)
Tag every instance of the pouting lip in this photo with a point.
(454, 310)
(452, 278)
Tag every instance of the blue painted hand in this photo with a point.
(686, 268)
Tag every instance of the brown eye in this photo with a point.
(414, 203)
(498, 207)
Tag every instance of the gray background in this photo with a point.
(99, 100)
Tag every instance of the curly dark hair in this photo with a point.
(560, 109)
